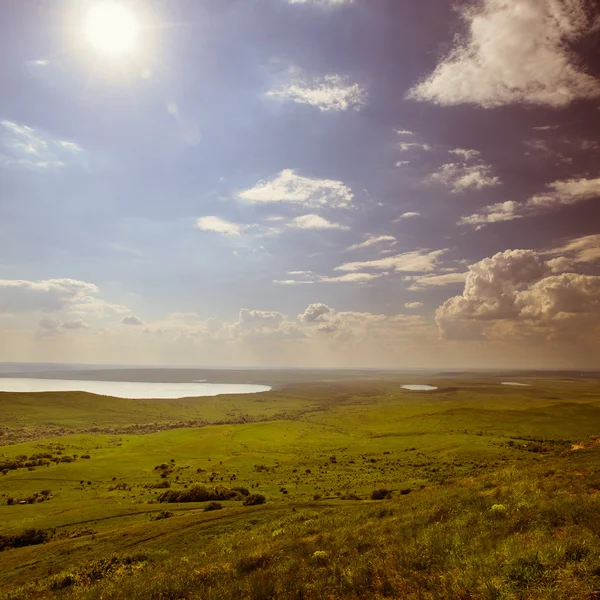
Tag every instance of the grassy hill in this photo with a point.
(490, 492)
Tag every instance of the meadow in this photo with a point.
(329, 486)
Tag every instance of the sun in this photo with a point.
(111, 29)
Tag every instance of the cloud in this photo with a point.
(528, 62)
(565, 192)
(515, 293)
(132, 320)
(18, 296)
(459, 177)
(402, 163)
(52, 327)
(424, 281)
(407, 215)
(23, 147)
(465, 154)
(315, 313)
(218, 225)
(289, 187)
(327, 93)
(413, 305)
(415, 261)
(360, 278)
(404, 132)
(315, 222)
(292, 281)
(585, 249)
(372, 241)
(495, 213)
(406, 146)
(321, 2)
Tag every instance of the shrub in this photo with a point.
(254, 499)
(30, 537)
(381, 494)
(198, 493)
(212, 506)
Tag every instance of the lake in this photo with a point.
(131, 390)
(419, 388)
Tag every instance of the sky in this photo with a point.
(309, 183)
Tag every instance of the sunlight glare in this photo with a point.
(111, 29)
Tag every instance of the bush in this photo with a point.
(212, 506)
(254, 499)
(30, 537)
(381, 494)
(198, 493)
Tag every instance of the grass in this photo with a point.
(487, 497)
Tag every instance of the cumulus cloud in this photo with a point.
(495, 213)
(565, 192)
(315, 313)
(516, 294)
(529, 61)
(424, 281)
(373, 241)
(24, 147)
(459, 177)
(132, 320)
(315, 222)
(415, 261)
(218, 225)
(327, 93)
(295, 189)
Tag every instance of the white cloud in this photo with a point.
(566, 192)
(321, 2)
(327, 93)
(48, 295)
(315, 313)
(23, 147)
(402, 163)
(315, 222)
(218, 225)
(585, 249)
(529, 62)
(404, 132)
(407, 215)
(465, 154)
(352, 278)
(415, 262)
(289, 187)
(495, 213)
(372, 241)
(424, 281)
(459, 177)
(132, 320)
(413, 305)
(293, 282)
(406, 146)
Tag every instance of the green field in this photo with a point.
(492, 492)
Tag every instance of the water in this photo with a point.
(132, 390)
(515, 383)
(419, 388)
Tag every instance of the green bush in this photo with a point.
(254, 499)
(381, 494)
(213, 506)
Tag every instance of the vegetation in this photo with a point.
(477, 491)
